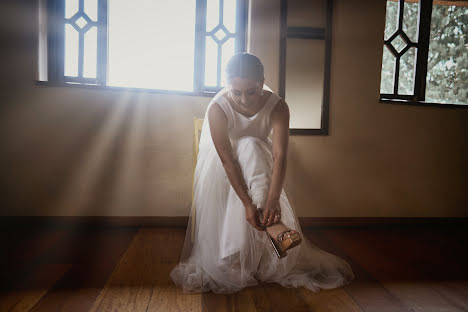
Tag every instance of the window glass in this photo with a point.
(71, 51)
(212, 14)
(407, 72)
(447, 68)
(71, 8)
(90, 53)
(388, 70)
(151, 44)
(410, 20)
(399, 42)
(211, 55)
(91, 9)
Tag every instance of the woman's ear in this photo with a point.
(266, 87)
(261, 82)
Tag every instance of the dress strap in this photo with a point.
(223, 102)
(271, 103)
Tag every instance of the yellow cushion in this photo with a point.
(197, 128)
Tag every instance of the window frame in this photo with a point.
(55, 12)
(422, 46)
(310, 33)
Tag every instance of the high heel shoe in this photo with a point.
(284, 240)
(288, 240)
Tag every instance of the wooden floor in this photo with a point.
(127, 269)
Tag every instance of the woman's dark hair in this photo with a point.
(244, 65)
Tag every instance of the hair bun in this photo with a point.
(244, 65)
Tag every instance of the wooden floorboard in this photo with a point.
(90, 257)
(412, 265)
(127, 269)
(366, 291)
(243, 300)
(141, 280)
(337, 300)
(35, 287)
(22, 257)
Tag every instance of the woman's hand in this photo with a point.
(252, 216)
(271, 213)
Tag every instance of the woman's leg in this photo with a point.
(256, 163)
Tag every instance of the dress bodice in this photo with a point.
(240, 125)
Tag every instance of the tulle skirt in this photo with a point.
(223, 253)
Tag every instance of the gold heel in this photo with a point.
(280, 252)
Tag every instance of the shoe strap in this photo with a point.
(280, 236)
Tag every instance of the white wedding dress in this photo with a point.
(224, 253)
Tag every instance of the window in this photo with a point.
(425, 57)
(305, 63)
(177, 45)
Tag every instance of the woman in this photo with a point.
(244, 223)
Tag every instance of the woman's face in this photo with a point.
(246, 92)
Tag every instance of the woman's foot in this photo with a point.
(283, 238)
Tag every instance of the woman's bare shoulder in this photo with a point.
(281, 109)
(215, 108)
(216, 113)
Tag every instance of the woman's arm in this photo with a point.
(219, 132)
(280, 124)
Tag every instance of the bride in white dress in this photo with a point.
(240, 175)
